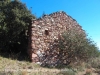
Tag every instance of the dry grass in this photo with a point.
(7, 63)
(15, 67)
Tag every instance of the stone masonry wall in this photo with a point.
(44, 32)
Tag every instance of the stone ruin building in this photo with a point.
(45, 31)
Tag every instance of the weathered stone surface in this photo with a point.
(44, 34)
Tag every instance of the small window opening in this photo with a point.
(46, 32)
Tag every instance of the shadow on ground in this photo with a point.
(15, 56)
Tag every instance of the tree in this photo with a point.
(14, 21)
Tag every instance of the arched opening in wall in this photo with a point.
(46, 32)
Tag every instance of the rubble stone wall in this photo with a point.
(44, 31)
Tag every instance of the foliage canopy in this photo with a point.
(14, 21)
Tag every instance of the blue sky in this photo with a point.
(86, 12)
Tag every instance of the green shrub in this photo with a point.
(74, 45)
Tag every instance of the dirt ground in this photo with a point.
(89, 72)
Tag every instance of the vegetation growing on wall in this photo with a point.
(74, 46)
(70, 47)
